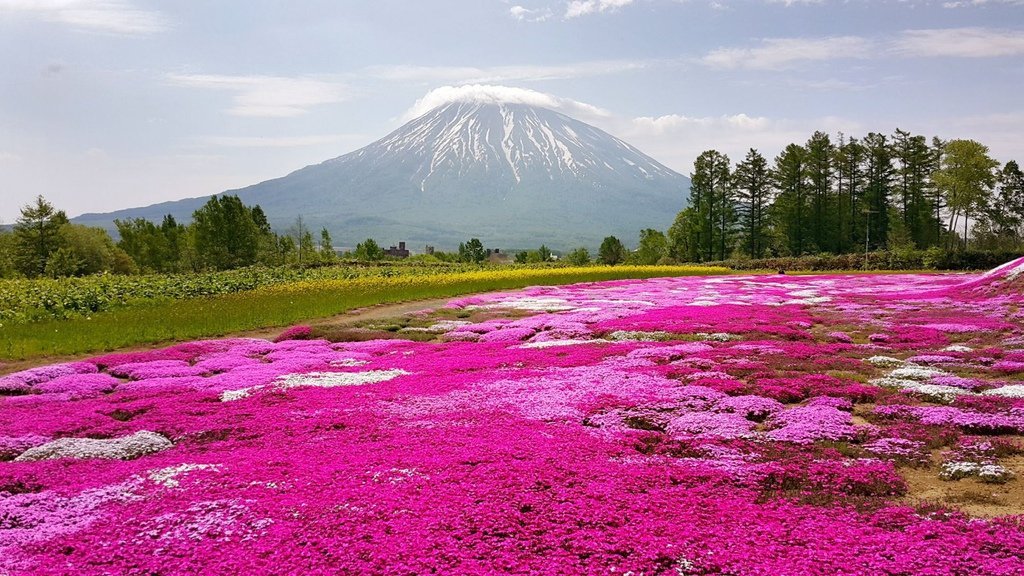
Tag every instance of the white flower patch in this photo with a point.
(957, 348)
(994, 473)
(885, 361)
(716, 337)
(988, 472)
(1016, 271)
(529, 304)
(639, 336)
(398, 475)
(703, 302)
(1011, 391)
(621, 302)
(318, 380)
(438, 327)
(935, 392)
(348, 363)
(566, 342)
(125, 448)
(917, 373)
(168, 477)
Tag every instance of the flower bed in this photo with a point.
(730, 425)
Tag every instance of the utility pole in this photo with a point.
(867, 235)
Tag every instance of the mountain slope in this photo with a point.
(510, 174)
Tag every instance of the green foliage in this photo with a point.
(652, 248)
(791, 206)
(7, 250)
(62, 263)
(542, 254)
(752, 183)
(965, 177)
(37, 236)
(472, 251)
(682, 244)
(327, 253)
(26, 300)
(296, 300)
(368, 250)
(612, 251)
(225, 234)
(712, 201)
(94, 250)
(934, 258)
(578, 257)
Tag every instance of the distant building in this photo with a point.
(399, 252)
(496, 256)
(428, 249)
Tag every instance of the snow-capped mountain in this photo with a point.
(513, 175)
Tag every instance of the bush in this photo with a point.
(930, 259)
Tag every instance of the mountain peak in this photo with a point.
(513, 174)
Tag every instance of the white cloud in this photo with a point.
(524, 14)
(676, 140)
(273, 141)
(267, 96)
(783, 53)
(967, 3)
(9, 158)
(960, 42)
(491, 94)
(577, 8)
(673, 122)
(474, 75)
(105, 16)
(779, 53)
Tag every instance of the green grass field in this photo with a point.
(156, 321)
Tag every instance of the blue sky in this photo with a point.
(107, 104)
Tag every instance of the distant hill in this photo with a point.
(509, 174)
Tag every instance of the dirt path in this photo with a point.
(378, 312)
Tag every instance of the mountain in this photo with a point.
(513, 175)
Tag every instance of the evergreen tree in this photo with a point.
(879, 172)
(914, 165)
(326, 245)
(790, 208)
(819, 157)
(752, 183)
(850, 190)
(37, 236)
(712, 199)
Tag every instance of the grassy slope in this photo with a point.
(282, 305)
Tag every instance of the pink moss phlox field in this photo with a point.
(720, 425)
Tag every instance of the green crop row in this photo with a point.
(23, 301)
(284, 304)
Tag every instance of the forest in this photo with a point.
(846, 195)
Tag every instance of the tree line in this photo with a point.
(847, 195)
(224, 233)
(836, 196)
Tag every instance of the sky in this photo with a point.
(108, 104)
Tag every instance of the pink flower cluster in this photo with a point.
(719, 425)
